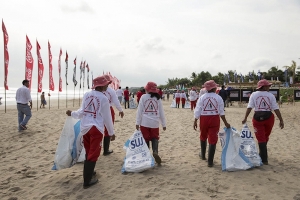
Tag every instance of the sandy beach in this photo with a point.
(27, 159)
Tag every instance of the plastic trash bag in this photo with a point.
(248, 146)
(232, 158)
(138, 157)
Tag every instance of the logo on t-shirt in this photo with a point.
(210, 106)
(151, 106)
(92, 105)
(263, 105)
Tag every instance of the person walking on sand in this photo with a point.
(209, 109)
(177, 98)
(113, 100)
(183, 98)
(119, 93)
(263, 103)
(43, 100)
(23, 96)
(193, 98)
(149, 114)
(94, 114)
(126, 97)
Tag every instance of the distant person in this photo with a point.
(113, 100)
(209, 109)
(94, 114)
(193, 98)
(139, 95)
(263, 119)
(177, 98)
(149, 115)
(168, 95)
(183, 98)
(280, 101)
(0, 100)
(202, 92)
(119, 93)
(43, 100)
(126, 97)
(223, 94)
(23, 96)
(160, 92)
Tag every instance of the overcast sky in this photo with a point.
(141, 41)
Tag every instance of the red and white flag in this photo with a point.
(51, 82)
(6, 55)
(40, 67)
(29, 62)
(59, 71)
(88, 77)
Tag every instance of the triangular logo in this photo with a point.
(210, 106)
(150, 107)
(263, 104)
(90, 108)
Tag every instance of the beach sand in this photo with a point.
(27, 159)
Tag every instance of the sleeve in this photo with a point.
(251, 103)
(221, 106)
(28, 95)
(274, 105)
(78, 114)
(105, 112)
(116, 101)
(198, 109)
(162, 114)
(139, 112)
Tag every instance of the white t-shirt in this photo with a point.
(183, 95)
(177, 95)
(112, 98)
(94, 111)
(119, 92)
(262, 101)
(150, 112)
(23, 95)
(202, 92)
(209, 104)
(193, 95)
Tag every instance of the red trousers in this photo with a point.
(92, 141)
(183, 101)
(209, 128)
(150, 133)
(193, 105)
(177, 100)
(262, 129)
(113, 120)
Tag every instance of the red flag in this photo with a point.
(75, 61)
(6, 55)
(59, 71)
(40, 67)
(66, 60)
(29, 62)
(51, 82)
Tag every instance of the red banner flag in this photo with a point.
(40, 67)
(66, 60)
(59, 71)
(29, 62)
(51, 82)
(6, 55)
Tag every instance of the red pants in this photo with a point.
(183, 101)
(92, 141)
(209, 128)
(150, 133)
(113, 120)
(262, 129)
(193, 105)
(177, 100)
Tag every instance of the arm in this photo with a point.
(139, 114)
(281, 124)
(105, 112)
(225, 121)
(197, 113)
(246, 115)
(79, 113)
(162, 115)
(115, 101)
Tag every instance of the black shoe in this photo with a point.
(211, 154)
(155, 151)
(203, 149)
(89, 177)
(106, 143)
(93, 181)
(107, 152)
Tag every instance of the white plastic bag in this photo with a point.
(232, 157)
(138, 157)
(248, 146)
(63, 154)
(173, 104)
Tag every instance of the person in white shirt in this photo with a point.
(177, 98)
(119, 93)
(113, 100)
(23, 97)
(193, 98)
(202, 92)
(263, 103)
(149, 115)
(94, 114)
(209, 109)
(183, 98)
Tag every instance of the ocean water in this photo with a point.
(69, 94)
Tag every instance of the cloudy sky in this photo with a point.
(152, 40)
